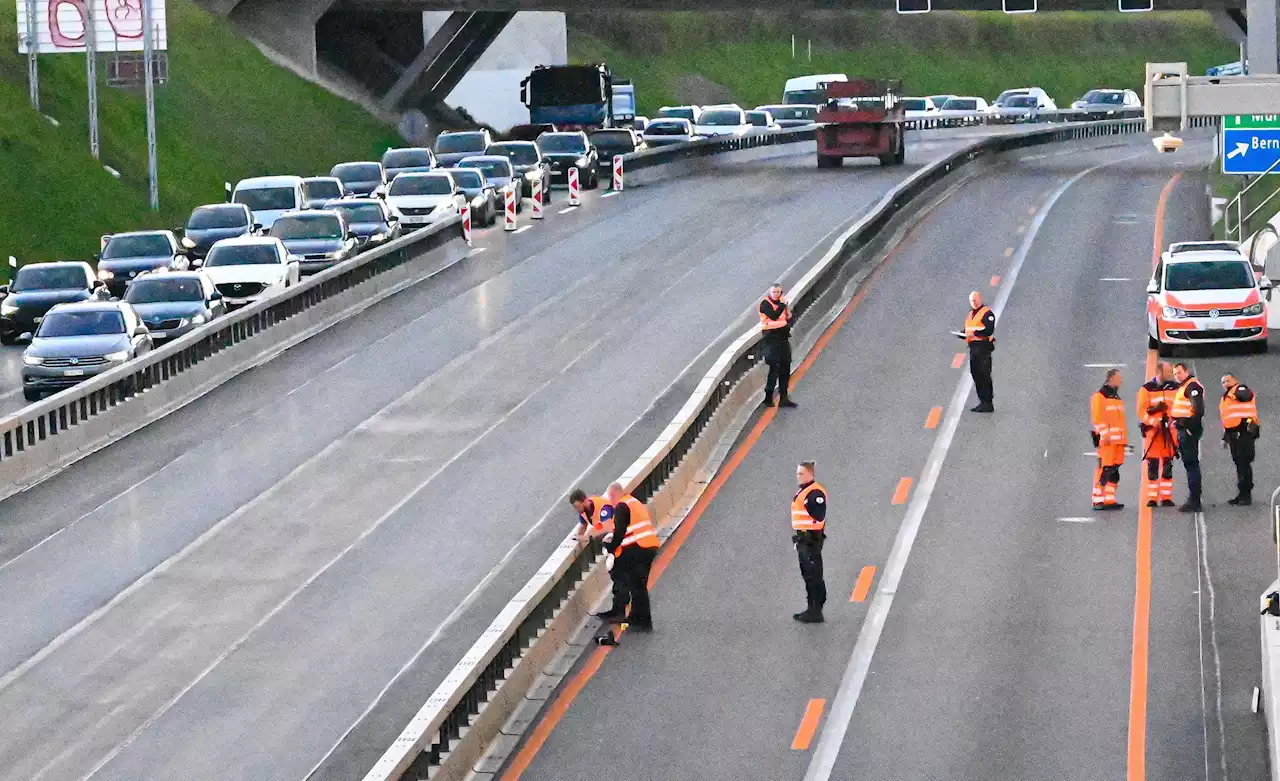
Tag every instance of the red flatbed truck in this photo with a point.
(862, 118)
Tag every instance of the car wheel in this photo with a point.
(31, 394)
(1152, 344)
(1260, 347)
(1164, 350)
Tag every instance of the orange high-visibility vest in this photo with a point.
(769, 324)
(801, 520)
(640, 530)
(1234, 412)
(598, 505)
(1182, 406)
(974, 323)
(1158, 441)
(1108, 419)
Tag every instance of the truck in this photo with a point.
(862, 118)
(624, 102)
(571, 97)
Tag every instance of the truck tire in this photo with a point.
(888, 159)
(901, 156)
(829, 161)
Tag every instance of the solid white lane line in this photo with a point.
(1115, 279)
(476, 251)
(523, 228)
(568, 209)
(610, 194)
(1077, 519)
(1104, 366)
(1202, 552)
(841, 713)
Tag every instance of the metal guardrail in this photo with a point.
(425, 742)
(46, 430)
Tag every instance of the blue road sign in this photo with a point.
(1250, 150)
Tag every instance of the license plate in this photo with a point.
(73, 373)
(1217, 323)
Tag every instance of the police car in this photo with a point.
(1206, 292)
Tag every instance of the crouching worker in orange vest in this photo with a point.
(1110, 438)
(1159, 441)
(633, 548)
(595, 519)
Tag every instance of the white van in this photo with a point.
(268, 197)
(809, 89)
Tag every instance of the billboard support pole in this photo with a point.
(148, 59)
(91, 76)
(33, 49)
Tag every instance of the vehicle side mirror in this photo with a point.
(1153, 287)
(294, 259)
(26, 336)
(226, 186)
(351, 235)
(1265, 283)
(97, 256)
(215, 296)
(98, 284)
(257, 226)
(4, 291)
(197, 262)
(141, 331)
(392, 220)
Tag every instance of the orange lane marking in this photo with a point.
(904, 488)
(957, 361)
(808, 725)
(1008, 252)
(863, 586)
(1137, 766)
(935, 415)
(572, 687)
(995, 281)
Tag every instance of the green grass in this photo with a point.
(1228, 187)
(226, 113)
(970, 53)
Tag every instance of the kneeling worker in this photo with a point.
(1109, 437)
(595, 519)
(634, 546)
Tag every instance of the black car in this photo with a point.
(171, 304)
(208, 224)
(361, 178)
(529, 164)
(481, 194)
(610, 142)
(126, 255)
(372, 220)
(451, 147)
(410, 160)
(320, 239)
(78, 341)
(37, 289)
(565, 151)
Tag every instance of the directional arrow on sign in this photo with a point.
(1241, 148)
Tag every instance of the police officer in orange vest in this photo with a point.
(633, 548)
(1240, 429)
(775, 324)
(1111, 439)
(980, 335)
(1188, 421)
(1159, 443)
(808, 531)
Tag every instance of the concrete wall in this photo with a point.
(490, 92)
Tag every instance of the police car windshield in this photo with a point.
(1209, 275)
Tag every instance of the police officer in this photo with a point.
(1188, 420)
(775, 323)
(980, 335)
(1159, 443)
(1240, 428)
(808, 531)
(1110, 438)
(634, 546)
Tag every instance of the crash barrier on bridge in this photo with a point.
(48, 435)
(450, 732)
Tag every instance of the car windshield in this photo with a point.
(939, 100)
(207, 217)
(1009, 93)
(264, 199)
(792, 112)
(805, 96)
(520, 154)
(361, 212)
(93, 323)
(1209, 275)
(1105, 97)
(914, 104)
(39, 277)
(357, 172)
(243, 255)
(721, 117)
(453, 143)
(493, 169)
(667, 129)
(324, 188)
(153, 290)
(470, 180)
(613, 139)
(684, 112)
(407, 158)
(1021, 101)
(758, 118)
(150, 245)
(567, 142)
(960, 104)
(421, 185)
(300, 227)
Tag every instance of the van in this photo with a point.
(268, 197)
(809, 89)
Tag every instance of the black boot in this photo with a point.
(983, 408)
(1190, 507)
(1243, 500)
(811, 615)
(788, 403)
(768, 399)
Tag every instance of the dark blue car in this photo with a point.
(171, 304)
(39, 287)
(319, 238)
(363, 179)
(209, 224)
(126, 255)
(370, 219)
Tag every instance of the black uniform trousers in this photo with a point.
(809, 551)
(980, 368)
(1189, 451)
(631, 584)
(1242, 452)
(777, 355)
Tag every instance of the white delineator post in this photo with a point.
(574, 197)
(537, 199)
(509, 209)
(617, 172)
(466, 223)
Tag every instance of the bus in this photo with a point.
(569, 96)
(809, 89)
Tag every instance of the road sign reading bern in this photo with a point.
(1251, 144)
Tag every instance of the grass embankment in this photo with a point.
(226, 113)
(964, 53)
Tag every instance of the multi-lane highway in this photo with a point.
(270, 580)
(982, 622)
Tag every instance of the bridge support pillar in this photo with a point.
(1260, 47)
(287, 26)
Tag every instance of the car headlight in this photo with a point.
(105, 274)
(1172, 313)
(123, 355)
(199, 320)
(334, 255)
(32, 360)
(1252, 309)
(8, 309)
(188, 243)
(581, 161)
(377, 237)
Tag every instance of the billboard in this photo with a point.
(61, 25)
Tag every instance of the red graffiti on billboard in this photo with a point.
(69, 18)
(125, 17)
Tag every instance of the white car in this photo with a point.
(722, 121)
(918, 108)
(1043, 101)
(425, 198)
(667, 131)
(268, 197)
(965, 106)
(690, 113)
(249, 268)
(1206, 292)
(761, 121)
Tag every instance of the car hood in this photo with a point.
(362, 187)
(205, 237)
(449, 158)
(312, 246)
(523, 168)
(418, 201)
(717, 130)
(78, 346)
(1206, 299)
(267, 217)
(366, 229)
(564, 157)
(169, 310)
(42, 300)
(264, 274)
(785, 123)
(135, 264)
